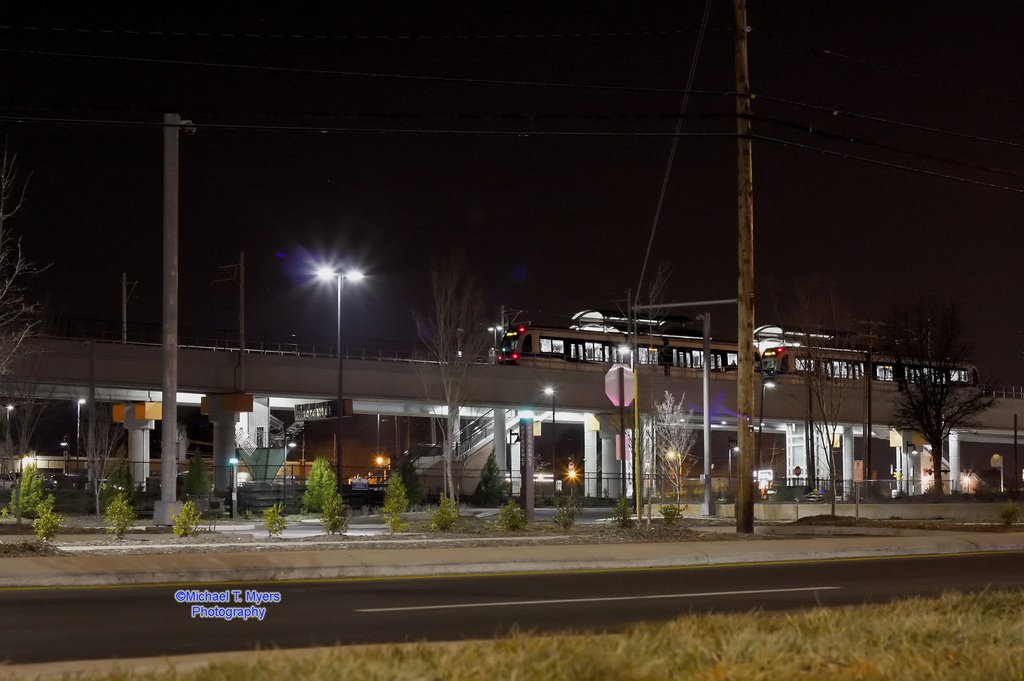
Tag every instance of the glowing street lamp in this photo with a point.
(327, 274)
(571, 474)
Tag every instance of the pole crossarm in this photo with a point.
(699, 303)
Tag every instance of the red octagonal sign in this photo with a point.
(619, 381)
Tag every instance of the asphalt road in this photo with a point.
(44, 625)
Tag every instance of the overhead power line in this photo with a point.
(285, 35)
(502, 133)
(887, 121)
(834, 111)
(356, 74)
(325, 129)
(847, 139)
(886, 164)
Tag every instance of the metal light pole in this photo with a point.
(328, 273)
(760, 422)
(78, 429)
(551, 392)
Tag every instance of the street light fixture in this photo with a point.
(326, 274)
(675, 456)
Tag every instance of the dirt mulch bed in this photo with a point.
(24, 549)
(949, 525)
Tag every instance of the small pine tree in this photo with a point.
(623, 514)
(395, 503)
(120, 515)
(446, 517)
(274, 520)
(321, 484)
(511, 518)
(197, 480)
(186, 523)
(568, 509)
(334, 516)
(118, 482)
(492, 485)
(31, 490)
(47, 523)
(415, 491)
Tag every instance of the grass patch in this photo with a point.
(965, 637)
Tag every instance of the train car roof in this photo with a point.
(615, 320)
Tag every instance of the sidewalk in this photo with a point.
(195, 568)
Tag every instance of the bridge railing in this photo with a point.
(1006, 392)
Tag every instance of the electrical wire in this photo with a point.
(672, 152)
(885, 164)
(357, 74)
(347, 36)
(887, 121)
(834, 111)
(352, 130)
(507, 133)
(847, 139)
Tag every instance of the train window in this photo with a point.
(958, 375)
(552, 345)
(528, 343)
(883, 372)
(733, 359)
(695, 359)
(804, 364)
(593, 351)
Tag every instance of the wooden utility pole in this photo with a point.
(745, 206)
(166, 506)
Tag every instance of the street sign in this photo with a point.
(619, 381)
(997, 461)
(320, 411)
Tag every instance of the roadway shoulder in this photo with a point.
(192, 568)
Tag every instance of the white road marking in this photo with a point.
(605, 599)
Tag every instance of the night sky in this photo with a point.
(549, 224)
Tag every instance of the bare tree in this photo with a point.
(453, 331)
(18, 316)
(675, 438)
(937, 392)
(829, 368)
(106, 439)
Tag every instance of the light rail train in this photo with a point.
(597, 339)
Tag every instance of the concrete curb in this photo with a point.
(238, 568)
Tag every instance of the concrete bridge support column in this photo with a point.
(796, 453)
(223, 449)
(591, 452)
(954, 461)
(138, 446)
(610, 483)
(501, 440)
(223, 411)
(847, 448)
